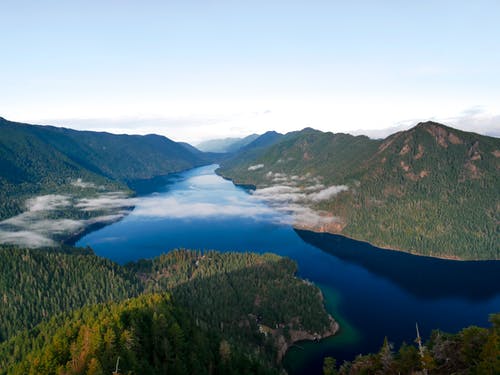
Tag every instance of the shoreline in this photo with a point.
(382, 247)
(392, 249)
(73, 238)
(297, 336)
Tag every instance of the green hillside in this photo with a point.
(236, 312)
(149, 335)
(430, 190)
(37, 160)
(473, 350)
(38, 284)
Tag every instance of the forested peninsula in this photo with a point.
(184, 312)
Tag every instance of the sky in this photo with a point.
(198, 70)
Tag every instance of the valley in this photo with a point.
(200, 210)
(285, 194)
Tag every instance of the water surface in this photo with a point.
(372, 292)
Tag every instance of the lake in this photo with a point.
(372, 292)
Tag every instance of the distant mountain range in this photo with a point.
(431, 190)
(226, 144)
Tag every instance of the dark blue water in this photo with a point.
(372, 292)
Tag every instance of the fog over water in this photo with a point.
(372, 292)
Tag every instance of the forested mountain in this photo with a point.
(430, 190)
(44, 159)
(241, 293)
(226, 312)
(38, 284)
(149, 334)
(473, 350)
(251, 151)
(226, 144)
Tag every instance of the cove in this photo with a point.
(372, 292)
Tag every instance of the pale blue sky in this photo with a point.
(193, 70)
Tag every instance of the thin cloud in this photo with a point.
(25, 238)
(255, 167)
(327, 193)
(295, 201)
(176, 207)
(107, 201)
(35, 227)
(82, 184)
(475, 119)
(48, 202)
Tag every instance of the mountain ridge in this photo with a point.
(429, 190)
(35, 158)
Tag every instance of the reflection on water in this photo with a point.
(372, 292)
(424, 277)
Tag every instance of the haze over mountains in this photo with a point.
(226, 144)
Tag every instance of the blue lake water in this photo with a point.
(372, 292)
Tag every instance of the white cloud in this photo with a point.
(314, 187)
(36, 228)
(82, 184)
(48, 202)
(255, 167)
(106, 201)
(24, 238)
(177, 207)
(51, 227)
(294, 201)
(475, 119)
(327, 193)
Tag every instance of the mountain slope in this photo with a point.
(43, 159)
(120, 157)
(249, 153)
(226, 144)
(228, 312)
(149, 335)
(431, 190)
(36, 284)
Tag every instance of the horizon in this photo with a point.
(372, 134)
(196, 71)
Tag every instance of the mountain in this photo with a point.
(431, 190)
(119, 157)
(191, 148)
(252, 150)
(226, 145)
(38, 159)
(183, 312)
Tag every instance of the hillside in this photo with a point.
(224, 309)
(38, 284)
(36, 159)
(52, 175)
(431, 190)
(149, 335)
(473, 350)
(251, 151)
(226, 145)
